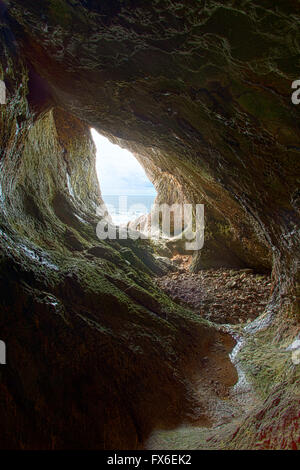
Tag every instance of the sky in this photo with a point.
(118, 171)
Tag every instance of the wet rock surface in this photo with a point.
(97, 353)
(200, 91)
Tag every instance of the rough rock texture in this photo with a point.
(206, 86)
(221, 296)
(201, 92)
(96, 354)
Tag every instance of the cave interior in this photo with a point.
(101, 353)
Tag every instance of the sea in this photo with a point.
(124, 209)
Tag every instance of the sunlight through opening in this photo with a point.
(122, 178)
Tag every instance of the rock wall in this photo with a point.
(97, 356)
(204, 87)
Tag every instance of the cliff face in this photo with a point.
(200, 91)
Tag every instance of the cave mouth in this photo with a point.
(232, 294)
(125, 187)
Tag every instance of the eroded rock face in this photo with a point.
(97, 355)
(206, 87)
(201, 93)
(92, 343)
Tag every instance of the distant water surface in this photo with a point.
(127, 208)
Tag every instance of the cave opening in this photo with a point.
(125, 187)
(226, 291)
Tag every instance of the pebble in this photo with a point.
(222, 295)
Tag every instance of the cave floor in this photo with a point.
(219, 295)
(228, 297)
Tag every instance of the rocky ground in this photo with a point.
(219, 295)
